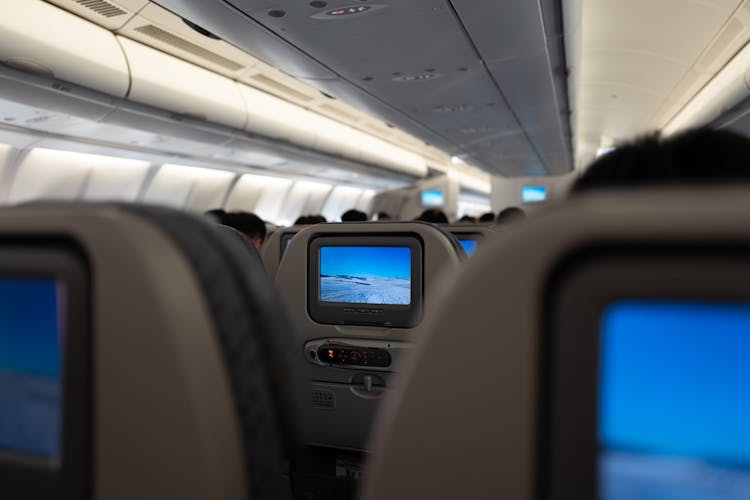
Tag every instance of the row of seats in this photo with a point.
(185, 374)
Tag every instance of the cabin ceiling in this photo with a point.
(485, 81)
(643, 60)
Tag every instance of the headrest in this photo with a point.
(488, 405)
(179, 356)
(275, 246)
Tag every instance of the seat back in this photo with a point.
(537, 366)
(173, 382)
(470, 236)
(357, 310)
(275, 246)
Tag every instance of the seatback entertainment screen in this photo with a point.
(470, 246)
(432, 198)
(365, 274)
(533, 194)
(673, 404)
(30, 368)
(364, 279)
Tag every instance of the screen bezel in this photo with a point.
(580, 291)
(345, 313)
(26, 477)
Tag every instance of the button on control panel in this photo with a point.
(353, 356)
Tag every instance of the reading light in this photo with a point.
(419, 77)
(349, 10)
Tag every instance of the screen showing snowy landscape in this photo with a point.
(365, 275)
(674, 411)
(30, 368)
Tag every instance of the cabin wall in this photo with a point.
(29, 173)
(406, 203)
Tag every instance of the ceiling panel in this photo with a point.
(642, 60)
(402, 60)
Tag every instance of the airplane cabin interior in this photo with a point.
(374, 249)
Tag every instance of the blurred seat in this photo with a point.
(570, 346)
(470, 236)
(344, 396)
(176, 378)
(275, 246)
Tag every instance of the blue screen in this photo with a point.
(470, 246)
(30, 368)
(365, 275)
(674, 404)
(533, 194)
(432, 198)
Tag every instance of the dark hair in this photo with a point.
(384, 216)
(468, 218)
(487, 217)
(696, 156)
(433, 215)
(353, 215)
(304, 220)
(216, 214)
(248, 224)
(509, 215)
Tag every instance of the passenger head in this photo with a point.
(487, 218)
(383, 216)
(468, 219)
(304, 220)
(248, 224)
(433, 215)
(353, 215)
(216, 215)
(696, 156)
(510, 215)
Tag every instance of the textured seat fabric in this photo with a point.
(231, 233)
(255, 336)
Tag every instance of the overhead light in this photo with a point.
(418, 77)
(456, 160)
(348, 11)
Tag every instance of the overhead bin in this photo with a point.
(273, 117)
(380, 152)
(728, 88)
(30, 39)
(276, 118)
(166, 82)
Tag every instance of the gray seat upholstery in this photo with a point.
(192, 381)
(473, 414)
